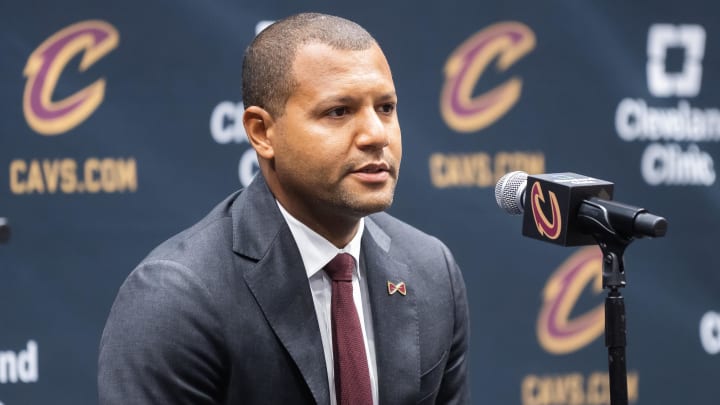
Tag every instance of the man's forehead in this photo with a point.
(318, 59)
(314, 49)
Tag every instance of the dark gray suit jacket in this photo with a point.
(222, 314)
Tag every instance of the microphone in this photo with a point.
(4, 230)
(568, 209)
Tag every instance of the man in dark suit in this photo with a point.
(237, 309)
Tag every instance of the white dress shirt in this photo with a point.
(316, 252)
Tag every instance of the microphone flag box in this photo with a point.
(551, 206)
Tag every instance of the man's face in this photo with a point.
(337, 146)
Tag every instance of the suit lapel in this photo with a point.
(395, 319)
(279, 282)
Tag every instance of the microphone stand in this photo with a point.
(614, 225)
(613, 278)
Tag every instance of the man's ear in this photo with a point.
(259, 128)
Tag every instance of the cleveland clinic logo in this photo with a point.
(674, 128)
(93, 39)
(661, 39)
(558, 332)
(505, 43)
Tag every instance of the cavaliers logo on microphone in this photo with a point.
(558, 331)
(548, 228)
(504, 42)
(94, 39)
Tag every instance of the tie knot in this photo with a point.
(340, 268)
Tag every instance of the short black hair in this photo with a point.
(267, 77)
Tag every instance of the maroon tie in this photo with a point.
(352, 378)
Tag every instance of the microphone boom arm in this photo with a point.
(621, 220)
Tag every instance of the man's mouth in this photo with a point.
(373, 172)
(374, 168)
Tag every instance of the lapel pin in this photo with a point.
(399, 287)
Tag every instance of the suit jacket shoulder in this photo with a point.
(204, 316)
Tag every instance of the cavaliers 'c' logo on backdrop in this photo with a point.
(557, 332)
(507, 42)
(550, 228)
(94, 39)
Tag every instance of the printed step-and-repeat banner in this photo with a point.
(120, 125)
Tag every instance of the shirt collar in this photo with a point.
(315, 250)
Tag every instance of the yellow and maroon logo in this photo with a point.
(463, 112)
(557, 332)
(93, 38)
(551, 229)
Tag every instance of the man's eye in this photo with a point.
(338, 112)
(387, 108)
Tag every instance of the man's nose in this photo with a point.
(371, 130)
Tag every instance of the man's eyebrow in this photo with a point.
(341, 99)
(391, 96)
